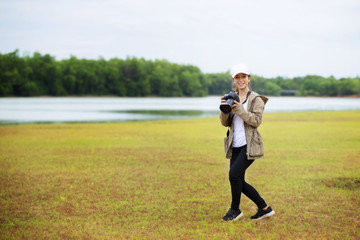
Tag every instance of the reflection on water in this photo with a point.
(172, 113)
(166, 112)
(113, 109)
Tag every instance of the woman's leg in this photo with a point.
(251, 193)
(238, 165)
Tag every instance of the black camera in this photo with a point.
(230, 98)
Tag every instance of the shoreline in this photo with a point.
(154, 96)
(26, 123)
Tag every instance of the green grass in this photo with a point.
(169, 180)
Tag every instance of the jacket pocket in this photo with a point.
(256, 145)
(228, 146)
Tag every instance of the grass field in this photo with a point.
(169, 180)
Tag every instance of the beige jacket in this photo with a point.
(252, 118)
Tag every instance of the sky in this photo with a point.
(274, 38)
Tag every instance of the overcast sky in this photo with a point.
(275, 38)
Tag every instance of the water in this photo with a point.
(112, 109)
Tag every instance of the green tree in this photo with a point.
(191, 81)
(218, 83)
(114, 79)
(137, 80)
(272, 89)
(349, 86)
(68, 70)
(165, 81)
(311, 85)
(258, 84)
(44, 75)
(14, 76)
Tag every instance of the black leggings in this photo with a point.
(238, 165)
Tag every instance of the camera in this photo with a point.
(230, 98)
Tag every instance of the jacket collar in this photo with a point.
(251, 98)
(253, 95)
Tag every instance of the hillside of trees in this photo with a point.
(44, 75)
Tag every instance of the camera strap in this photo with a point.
(230, 122)
(231, 118)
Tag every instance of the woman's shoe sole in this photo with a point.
(238, 217)
(265, 215)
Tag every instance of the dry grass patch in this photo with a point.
(169, 180)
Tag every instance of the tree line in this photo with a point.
(38, 75)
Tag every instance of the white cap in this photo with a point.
(239, 68)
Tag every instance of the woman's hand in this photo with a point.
(222, 100)
(235, 104)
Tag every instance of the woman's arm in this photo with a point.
(225, 119)
(253, 118)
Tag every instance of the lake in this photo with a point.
(117, 109)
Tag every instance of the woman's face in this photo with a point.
(242, 81)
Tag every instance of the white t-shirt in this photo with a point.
(239, 139)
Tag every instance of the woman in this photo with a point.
(245, 143)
